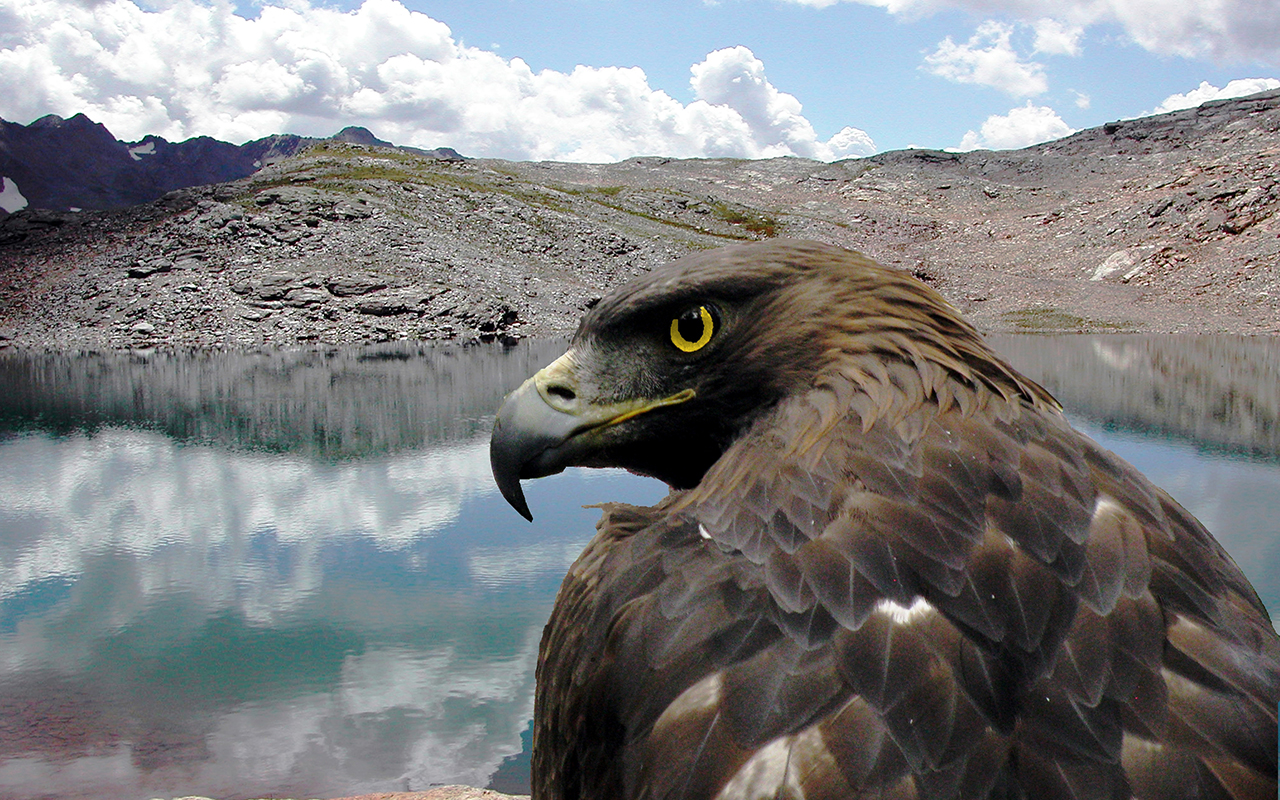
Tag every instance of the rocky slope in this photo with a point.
(1162, 224)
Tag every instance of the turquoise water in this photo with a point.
(289, 574)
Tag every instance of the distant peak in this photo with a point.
(354, 134)
(49, 121)
(75, 122)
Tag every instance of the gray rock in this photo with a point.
(348, 211)
(385, 307)
(280, 279)
(354, 285)
(150, 268)
(300, 298)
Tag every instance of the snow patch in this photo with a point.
(138, 151)
(11, 199)
(1130, 260)
(1114, 263)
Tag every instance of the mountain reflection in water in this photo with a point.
(290, 574)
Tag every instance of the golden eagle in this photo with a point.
(888, 567)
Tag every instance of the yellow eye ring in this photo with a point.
(706, 327)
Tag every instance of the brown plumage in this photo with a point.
(889, 568)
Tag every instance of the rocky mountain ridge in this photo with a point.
(1162, 224)
(63, 164)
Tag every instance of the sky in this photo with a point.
(605, 80)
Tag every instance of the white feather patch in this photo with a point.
(1106, 505)
(764, 774)
(903, 615)
(703, 695)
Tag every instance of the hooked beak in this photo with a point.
(546, 425)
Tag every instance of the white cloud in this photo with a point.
(850, 142)
(1021, 127)
(1206, 92)
(189, 69)
(988, 59)
(1082, 100)
(1057, 38)
(1226, 30)
(734, 78)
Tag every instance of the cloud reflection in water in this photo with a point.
(244, 623)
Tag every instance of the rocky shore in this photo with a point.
(1158, 225)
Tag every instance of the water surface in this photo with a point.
(289, 574)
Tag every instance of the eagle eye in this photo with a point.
(692, 329)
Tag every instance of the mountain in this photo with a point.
(64, 164)
(1169, 223)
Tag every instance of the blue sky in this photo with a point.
(848, 64)
(601, 80)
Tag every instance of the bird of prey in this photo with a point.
(887, 568)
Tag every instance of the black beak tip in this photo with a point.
(517, 501)
(506, 459)
(508, 480)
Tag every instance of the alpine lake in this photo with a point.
(289, 573)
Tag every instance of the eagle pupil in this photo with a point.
(690, 325)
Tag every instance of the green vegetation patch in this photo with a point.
(403, 168)
(675, 223)
(348, 151)
(592, 191)
(1055, 320)
(373, 172)
(495, 183)
(758, 224)
(748, 220)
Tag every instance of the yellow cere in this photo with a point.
(706, 326)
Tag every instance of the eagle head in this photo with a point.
(667, 371)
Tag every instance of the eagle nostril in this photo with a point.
(562, 393)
